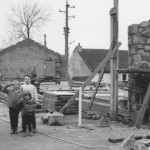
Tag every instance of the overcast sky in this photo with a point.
(91, 26)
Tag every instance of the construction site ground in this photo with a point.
(90, 136)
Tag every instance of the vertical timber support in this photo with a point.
(99, 68)
(114, 63)
(45, 54)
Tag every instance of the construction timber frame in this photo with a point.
(114, 63)
(112, 51)
(113, 55)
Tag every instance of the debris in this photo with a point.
(146, 126)
(56, 118)
(129, 142)
(104, 122)
(142, 144)
(125, 118)
(44, 118)
(90, 115)
(118, 140)
(115, 140)
(87, 127)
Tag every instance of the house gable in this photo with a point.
(19, 59)
(93, 57)
(31, 44)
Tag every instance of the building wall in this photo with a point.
(77, 67)
(139, 51)
(19, 61)
(139, 42)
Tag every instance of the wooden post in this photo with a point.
(99, 68)
(80, 107)
(114, 63)
(143, 108)
(95, 91)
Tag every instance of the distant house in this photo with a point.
(84, 61)
(18, 60)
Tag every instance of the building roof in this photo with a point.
(27, 42)
(93, 57)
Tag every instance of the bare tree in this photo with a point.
(26, 20)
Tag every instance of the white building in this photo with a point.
(84, 61)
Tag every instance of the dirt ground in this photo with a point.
(91, 136)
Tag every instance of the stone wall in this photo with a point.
(139, 42)
(139, 50)
(18, 60)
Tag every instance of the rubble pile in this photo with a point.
(55, 118)
(90, 115)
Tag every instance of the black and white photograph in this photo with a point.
(75, 74)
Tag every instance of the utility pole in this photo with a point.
(114, 62)
(45, 53)
(66, 32)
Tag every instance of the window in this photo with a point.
(124, 77)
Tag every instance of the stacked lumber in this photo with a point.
(54, 101)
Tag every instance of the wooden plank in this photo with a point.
(143, 108)
(100, 66)
(133, 71)
(95, 91)
(114, 63)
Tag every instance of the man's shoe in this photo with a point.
(24, 134)
(34, 130)
(12, 132)
(30, 134)
(16, 132)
